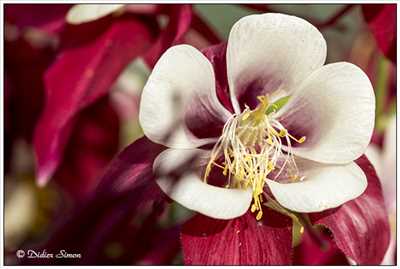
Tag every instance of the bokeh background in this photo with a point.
(36, 37)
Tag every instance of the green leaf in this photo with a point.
(275, 107)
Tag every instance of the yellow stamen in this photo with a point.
(259, 215)
(271, 166)
(251, 145)
(300, 140)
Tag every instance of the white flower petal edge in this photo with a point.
(181, 75)
(86, 12)
(275, 50)
(335, 108)
(191, 192)
(218, 203)
(374, 155)
(325, 187)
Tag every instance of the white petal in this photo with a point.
(272, 52)
(87, 12)
(324, 187)
(182, 80)
(335, 109)
(191, 192)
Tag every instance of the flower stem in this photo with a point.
(314, 233)
(332, 20)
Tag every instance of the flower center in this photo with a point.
(251, 147)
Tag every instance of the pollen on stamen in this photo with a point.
(259, 215)
(251, 145)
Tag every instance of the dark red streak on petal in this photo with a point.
(240, 241)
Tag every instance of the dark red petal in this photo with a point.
(381, 19)
(93, 143)
(199, 118)
(217, 56)
(310, 252)
(240, 241)
(360, 227)
(46, 17)
(129, 168)
(83, 73)
(180, 17)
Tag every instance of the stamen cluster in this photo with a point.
(252, 147)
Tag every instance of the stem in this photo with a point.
(205, 30)
(336, 16)
(314, 233)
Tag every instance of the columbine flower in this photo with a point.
(291, 128)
